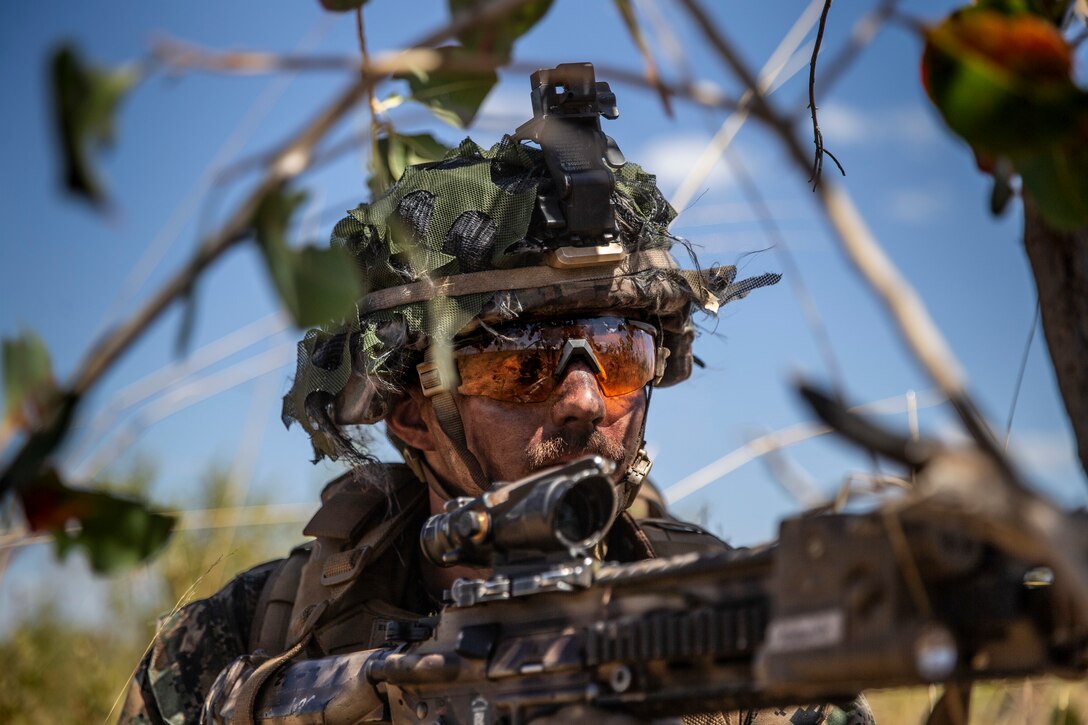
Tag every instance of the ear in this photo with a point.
(407, 421)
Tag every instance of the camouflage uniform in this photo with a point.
(193, 645)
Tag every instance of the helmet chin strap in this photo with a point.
(436, 385)
(640, 467)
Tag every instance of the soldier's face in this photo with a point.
(512, 440)
(536, 394)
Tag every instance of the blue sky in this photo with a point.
(65, 271)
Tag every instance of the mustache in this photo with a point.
(551, 451)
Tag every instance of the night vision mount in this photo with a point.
(568, 103)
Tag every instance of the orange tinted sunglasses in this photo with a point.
(524, 362)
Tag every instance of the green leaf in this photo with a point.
(497, 38)
(116, 532)
(1003, 83)
(453, 95)
(327, 285)
(85, 101)
(27, 465)
(1056, 181)
(188, 322)
(29, 387)
(339, 6)
(270, 225)
(395, 152)
(316, 285)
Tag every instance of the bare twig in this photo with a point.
(653, 77)
(779, 439)
(793, 272)
(771, 74)
(426, 59)
(375, 124)
(913, 321)
(289, 161)
(180, 55)
(759, 103)
(701, 93)
(670, 44)
(1020, 373)
(196, 391)
(817, 135)
(863, 32)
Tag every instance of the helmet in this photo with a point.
(488, 236)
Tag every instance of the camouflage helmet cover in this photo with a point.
(459, 243)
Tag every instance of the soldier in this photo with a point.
(522, 306)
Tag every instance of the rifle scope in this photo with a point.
(565, 510)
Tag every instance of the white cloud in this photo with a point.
(916, 205)
(1037, 452)
(1042, 451)
(505, 105)
(843, 124)
(672, 158)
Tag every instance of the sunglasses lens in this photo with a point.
(518, 365)
(516, 376)
(627, 360)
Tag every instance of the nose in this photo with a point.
(578, 400)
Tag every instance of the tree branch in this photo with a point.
(817, 135)
(291, 159)
(918, 330)
(1017, 517)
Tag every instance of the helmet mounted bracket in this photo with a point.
(576, 207)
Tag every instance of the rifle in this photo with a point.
(942, 585)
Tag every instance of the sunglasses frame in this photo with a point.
(579, 346)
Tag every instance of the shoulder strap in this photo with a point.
(354, 528)
(272, 616)
(348, 502)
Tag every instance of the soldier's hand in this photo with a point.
(222, 699)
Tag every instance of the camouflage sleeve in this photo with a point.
(191, 648)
